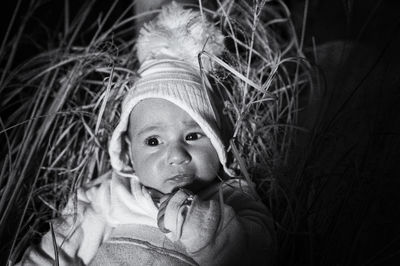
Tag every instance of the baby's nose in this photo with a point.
(177, 155)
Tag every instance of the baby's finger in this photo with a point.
(161, 213)
(160, 221)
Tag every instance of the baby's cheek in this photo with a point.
(209, 165)
(146, 170)
(213, 159)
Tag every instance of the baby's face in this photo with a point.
(169, 149)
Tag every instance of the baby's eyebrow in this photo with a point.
(147, 129)
(191, 124)
(156, 127)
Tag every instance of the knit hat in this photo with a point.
(168, 49)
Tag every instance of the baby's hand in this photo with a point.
(178, 202)
(161, 212)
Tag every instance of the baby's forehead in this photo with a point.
(159, 114)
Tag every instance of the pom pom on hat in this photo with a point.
(168, 49)
(180, 34)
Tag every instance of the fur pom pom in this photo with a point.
(180, 34)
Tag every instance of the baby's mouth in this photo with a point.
(181, 180)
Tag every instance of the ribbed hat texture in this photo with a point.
(168, 72)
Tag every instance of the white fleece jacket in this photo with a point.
(115, 223)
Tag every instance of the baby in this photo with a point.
(171, 198)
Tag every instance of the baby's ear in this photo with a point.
(126, 153)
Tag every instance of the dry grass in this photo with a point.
(60, 107)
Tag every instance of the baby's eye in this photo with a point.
(193, 136)
(152, 141)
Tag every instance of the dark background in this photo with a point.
(358, 147)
